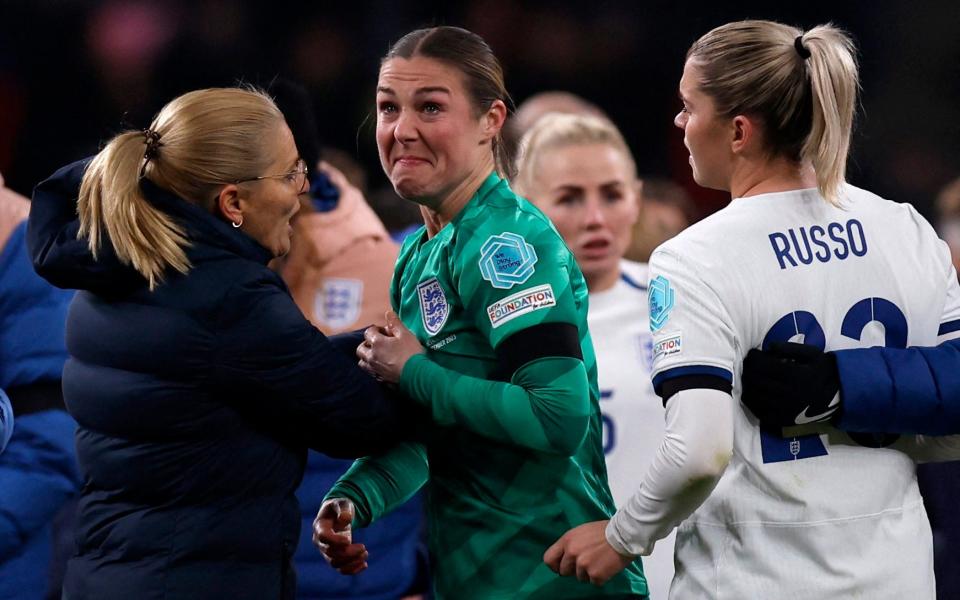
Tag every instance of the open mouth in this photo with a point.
(595, 248)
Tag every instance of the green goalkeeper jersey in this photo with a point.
(513, 452)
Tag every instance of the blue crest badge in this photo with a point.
(506, 260)
(339, 302)
(434, 309)
(661, 302)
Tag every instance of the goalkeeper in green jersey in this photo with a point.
(491, 342)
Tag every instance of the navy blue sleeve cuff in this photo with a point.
(669, 382)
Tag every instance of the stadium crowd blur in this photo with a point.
(72, 72)
(75, 72)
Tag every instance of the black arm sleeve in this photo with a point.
(540, 341)
(692, 382)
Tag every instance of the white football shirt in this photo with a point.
(817, 516)
(633, 419)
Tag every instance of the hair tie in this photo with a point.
(801, 49)
(151, 139)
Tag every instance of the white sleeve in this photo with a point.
(692, 330)
(695, 451)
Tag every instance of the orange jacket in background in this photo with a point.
(340, 265)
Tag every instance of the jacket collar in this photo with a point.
(202, 228)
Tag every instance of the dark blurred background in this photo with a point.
(73, 73)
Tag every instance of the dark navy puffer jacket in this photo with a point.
(196, 403)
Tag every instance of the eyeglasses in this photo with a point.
(296, 178)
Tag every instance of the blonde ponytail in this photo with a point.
(803, 91)
(207, 138)
(834, 84)
(111, 201)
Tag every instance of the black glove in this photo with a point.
(791, 384)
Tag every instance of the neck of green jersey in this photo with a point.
(452, 206)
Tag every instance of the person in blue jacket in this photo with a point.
(196, 382)
(867, 390)
(39, 476)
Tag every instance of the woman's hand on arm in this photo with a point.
(385, 350)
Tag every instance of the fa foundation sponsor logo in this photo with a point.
(521, 303)
(668, 346)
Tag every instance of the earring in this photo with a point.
(237, 224)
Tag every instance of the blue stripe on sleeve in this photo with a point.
(949, 327)
(690, 370)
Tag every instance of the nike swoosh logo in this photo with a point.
(803, 418)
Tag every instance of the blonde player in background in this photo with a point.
(798, 255)
(579, 171)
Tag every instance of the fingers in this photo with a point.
(344, 515)
(581, 572)
(348, 560)
(332, 536)
(370, 335)
(325, 533)
(347, 557)
(365, 349)
(568, 565)
(559, 559)
(588, 574)
(332, 525)
(553, 555)
(365, 354)
(392, 321)
(354, 567)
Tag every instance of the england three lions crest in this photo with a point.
(339, 302)
(434, 308)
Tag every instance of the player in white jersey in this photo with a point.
(579, 171)
(798, 255)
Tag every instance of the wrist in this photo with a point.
(345, 490)
(410, 373)
(616, 540)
